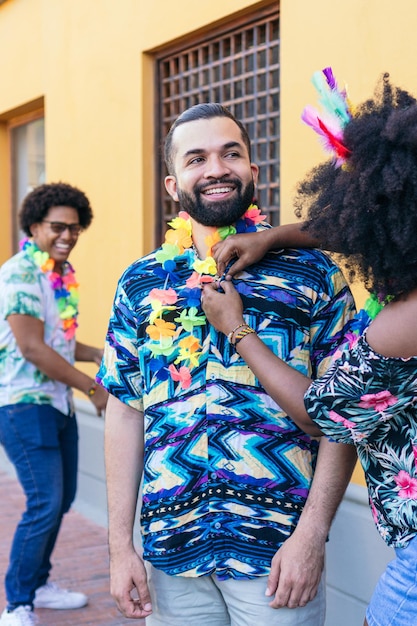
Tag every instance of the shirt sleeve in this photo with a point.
(332, 312)
(21, 292)
(119, 372)
(357, 399)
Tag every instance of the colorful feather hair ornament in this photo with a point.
(336, 112)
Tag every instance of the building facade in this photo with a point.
(88, 91)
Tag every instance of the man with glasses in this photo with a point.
(60, 227)
(38, 428)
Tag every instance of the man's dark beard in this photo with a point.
(221, 213)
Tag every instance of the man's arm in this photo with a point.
(29, 334)
(91, 354)
(297, 567)
(124, 443)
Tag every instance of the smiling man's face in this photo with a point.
(214, 180)
(57, 245)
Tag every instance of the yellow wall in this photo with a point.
(360, 39)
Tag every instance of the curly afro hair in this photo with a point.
(367, 209)
(37, 203)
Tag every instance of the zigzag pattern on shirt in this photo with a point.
(226, 471)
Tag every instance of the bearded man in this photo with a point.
(236, 501)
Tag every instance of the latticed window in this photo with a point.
(237, 66)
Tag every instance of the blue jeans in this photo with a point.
(394, 601)
(42, 444)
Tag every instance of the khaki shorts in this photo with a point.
(207, 601)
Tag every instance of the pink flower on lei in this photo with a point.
(254, 214)
(182, 375)
(408, 485)
(164, 296)
(352, 339)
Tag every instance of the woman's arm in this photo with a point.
(251, 247)
(282, 382)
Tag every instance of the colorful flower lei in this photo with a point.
(172, 343)
(363, 318)
(65, 286)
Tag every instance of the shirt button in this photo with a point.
(217, 525)
(213, 475)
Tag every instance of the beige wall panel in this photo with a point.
(172, 20)
(93, 139)
(21, 52)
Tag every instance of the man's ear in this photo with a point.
(171, 187)
(255, 172)
(34, 229)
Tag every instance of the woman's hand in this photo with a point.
(246, 248)
(223, 306)
(249, 248)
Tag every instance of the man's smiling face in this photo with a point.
(214, 180)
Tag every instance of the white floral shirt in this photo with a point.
(25, 290)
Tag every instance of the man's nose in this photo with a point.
(67, 235)
(216, 167)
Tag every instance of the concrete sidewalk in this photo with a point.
(80, 563)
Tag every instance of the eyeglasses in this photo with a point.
(59, 227)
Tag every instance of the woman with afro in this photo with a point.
(363, 205)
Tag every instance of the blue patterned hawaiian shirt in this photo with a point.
(370, 400)
(226, 472)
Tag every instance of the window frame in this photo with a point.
(14, 122)
(268, 142)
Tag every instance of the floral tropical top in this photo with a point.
(226, 471)
(25, 290)
(371, 401)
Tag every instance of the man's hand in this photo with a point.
(128, 575)
(296, 571)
